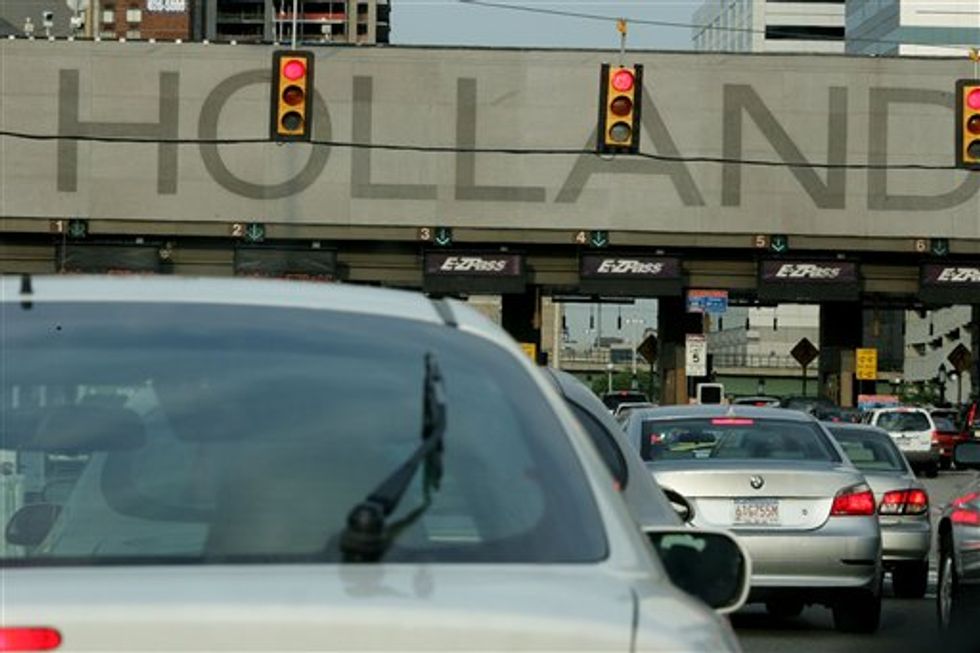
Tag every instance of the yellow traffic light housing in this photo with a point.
(968, 124)
(292, 96)
(620, 93)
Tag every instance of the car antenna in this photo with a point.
(26, 291)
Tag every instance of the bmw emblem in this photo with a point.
(757, 482)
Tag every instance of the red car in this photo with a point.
(947, 434)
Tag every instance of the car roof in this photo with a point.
(720, 410)
(239, 291)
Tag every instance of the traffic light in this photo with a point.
(968, 124)
(620, 92)
(292, 95)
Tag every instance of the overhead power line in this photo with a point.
(450, 149)
(784, 31)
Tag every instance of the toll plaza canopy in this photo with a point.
(804, 145)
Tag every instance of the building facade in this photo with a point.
(144, 19)
(337, 21)
(769, 26)
(912, 27)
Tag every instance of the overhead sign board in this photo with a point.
(813, 280)
(779, 108)
(714, 302)
(866, 364)
(696, 355)
(288, 263)
(469, 272)
(954, 283)
(98, 258)
(627, 274)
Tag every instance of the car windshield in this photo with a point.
(903, 421)
(734, 438)
(869, 451)
(214, 433)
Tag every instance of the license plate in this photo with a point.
(756, 512)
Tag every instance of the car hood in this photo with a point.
(310, 607)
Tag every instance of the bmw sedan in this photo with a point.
(903, 505)
(778, 480)
(202, 464)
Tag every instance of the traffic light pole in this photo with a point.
(295, 2)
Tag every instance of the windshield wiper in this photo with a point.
(367, 537)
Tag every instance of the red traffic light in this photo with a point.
(622, 80)
(973, 99)
(293, 70)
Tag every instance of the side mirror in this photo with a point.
(680, 504)
(967, 455)
(31, 524)
(710, 565)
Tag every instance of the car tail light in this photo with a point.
(29, 639)
(904, 502)
(965, 516)
(856, 500)
(965, 499)
(732, 421)
(935, 437)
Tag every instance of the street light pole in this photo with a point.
(609, 369)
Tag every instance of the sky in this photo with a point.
(453, 22)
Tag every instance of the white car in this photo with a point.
(913, 431)
(282, 466)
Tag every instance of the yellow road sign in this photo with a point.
(531, 350)
(866, 364)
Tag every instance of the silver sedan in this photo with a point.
(778, 480)
(903, 505)
(958, 596)
(205, 465)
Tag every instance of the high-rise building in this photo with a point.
(769, 26)
(912, 27)
(338, 21)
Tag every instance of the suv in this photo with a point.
(914, 431)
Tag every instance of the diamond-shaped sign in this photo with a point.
(804, 352)
(648, 349)
(960, 358)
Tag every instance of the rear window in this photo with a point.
(904, 421)
(734, 438)
(869, 451)
(612, 400)
(944, 424)
(243, 434)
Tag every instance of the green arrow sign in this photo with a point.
(599, 238)
(77, 228)
(779, 243)
(443, 236)
(940, 246)
(254, 232)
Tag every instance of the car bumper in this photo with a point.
(844, 553)
(906, 540)
(921, 457)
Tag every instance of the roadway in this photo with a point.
(907, 625)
